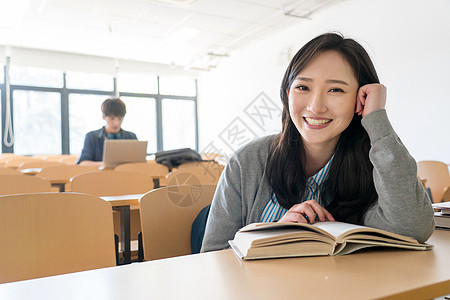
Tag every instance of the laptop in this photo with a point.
(116, 152)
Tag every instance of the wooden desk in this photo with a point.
(60, 183)
(368, 274)
(31, 171)
(122, 205)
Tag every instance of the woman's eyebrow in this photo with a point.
(304, 79)
(337, 81)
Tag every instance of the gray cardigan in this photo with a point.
(402, 207)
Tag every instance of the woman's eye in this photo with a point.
(302, 88)
(336, 90)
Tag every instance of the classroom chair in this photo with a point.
(61, 173)
(45, 234)
(437, 178)
(195, 173)
(19, 184)
(69, 159)
(15, 162)
(36, 164)
(209, 156)
(167, 215)
(8, 171)
(8, 156)
(155, 170)
(114, 183)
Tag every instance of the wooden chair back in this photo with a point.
(437, 177)
(15, 162)
(198, 164)
(69, 159)
(209, 156)
(195, 173)
(19, 184)
(62, 172)
(9, 171)
(111, 183)
(8, 156)
(152, 169)
(48, 234)
(446, 194)
(167, 215)
(36, 164)
(157, 171)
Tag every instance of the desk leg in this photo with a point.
(62, 187)
(125, 232)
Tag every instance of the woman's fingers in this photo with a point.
(307, 212)
(370, 97)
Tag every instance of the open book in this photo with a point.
(269, 240)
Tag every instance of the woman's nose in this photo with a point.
(317, 103)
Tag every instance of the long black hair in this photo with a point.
(350, 181)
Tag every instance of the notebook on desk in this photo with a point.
(116, 152)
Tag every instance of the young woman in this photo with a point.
(337, 157)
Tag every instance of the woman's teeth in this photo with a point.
(317, 122)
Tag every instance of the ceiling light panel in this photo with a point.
(236, 10)
(216, 24)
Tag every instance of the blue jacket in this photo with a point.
(93, 144)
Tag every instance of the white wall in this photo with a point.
(409, 41)
(84, 63)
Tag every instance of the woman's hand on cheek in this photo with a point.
(369, 98)
(306, 212)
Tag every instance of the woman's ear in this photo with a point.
(287, 92)
(103, 116)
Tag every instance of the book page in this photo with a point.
(442, 205)
(268, 237)
(337, 228)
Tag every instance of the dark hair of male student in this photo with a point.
(114, 107)
(350, 181)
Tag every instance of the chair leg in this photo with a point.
(116, 245)
(140, 248)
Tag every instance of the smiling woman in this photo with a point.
(337, 157)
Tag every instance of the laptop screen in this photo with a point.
(116, 152)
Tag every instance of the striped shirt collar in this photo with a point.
(274, 211)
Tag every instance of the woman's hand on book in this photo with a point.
(307, 212)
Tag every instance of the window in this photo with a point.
(36, 77)
(52, 111)
(89, 81)
(36, 122)
(85, 115)
(2, 75)
(137, 83)
(141, 119)
(177, 86)
(178, 124)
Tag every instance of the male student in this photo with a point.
(113, 111)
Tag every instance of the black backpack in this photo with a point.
(174, 158)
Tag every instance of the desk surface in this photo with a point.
(123, 200)
(31, 171)
(382, 273)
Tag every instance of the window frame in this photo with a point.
(65, 92)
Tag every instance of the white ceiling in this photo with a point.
(190, 33)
